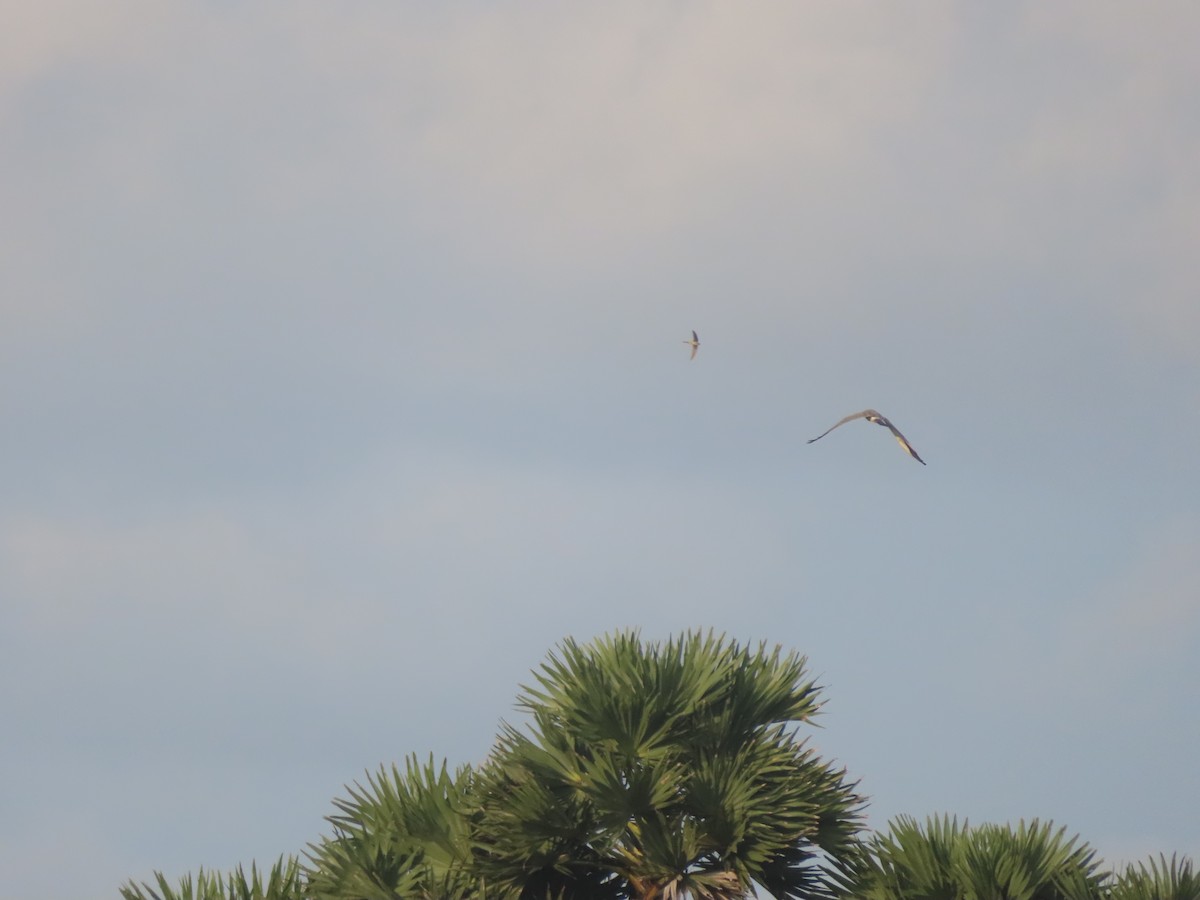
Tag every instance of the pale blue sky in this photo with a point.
(342, 377)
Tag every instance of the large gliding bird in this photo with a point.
(872, 416)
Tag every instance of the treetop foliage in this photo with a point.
(662, 770)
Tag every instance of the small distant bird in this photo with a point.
(694, 343)
(871, 416)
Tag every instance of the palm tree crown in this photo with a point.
(947, 861)
(663, 770)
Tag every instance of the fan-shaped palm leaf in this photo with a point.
(650, 770)
(403, 834)
(1159, 879)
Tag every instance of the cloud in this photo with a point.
(58, 34)
(819, 152)
(608, 129)
(1126, 126)
(545, 134)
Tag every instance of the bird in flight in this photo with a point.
(872, 416)
(694, 343)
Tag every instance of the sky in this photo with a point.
(342, 376)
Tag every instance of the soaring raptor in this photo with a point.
(872, 416)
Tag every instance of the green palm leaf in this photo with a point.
(946, 861)
(284, 882)
(650, 769)
(403, 834)
(1159, 879)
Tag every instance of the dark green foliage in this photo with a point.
(663, 769)
(946, 861)
(284, 883)
(1159, 879)
(404, 834)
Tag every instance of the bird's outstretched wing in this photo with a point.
(903, 441)
(865, 414)
(695, 343)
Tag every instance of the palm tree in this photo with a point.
(405, 834)
(285, 882)
(1160, 880)
(663, 771)
(946, 861)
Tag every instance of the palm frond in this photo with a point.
(669, 766)
(1157, 879)
(402, 833)
(946, 861)
(284, 882)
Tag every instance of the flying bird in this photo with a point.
(872, 416)
(694, 343)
